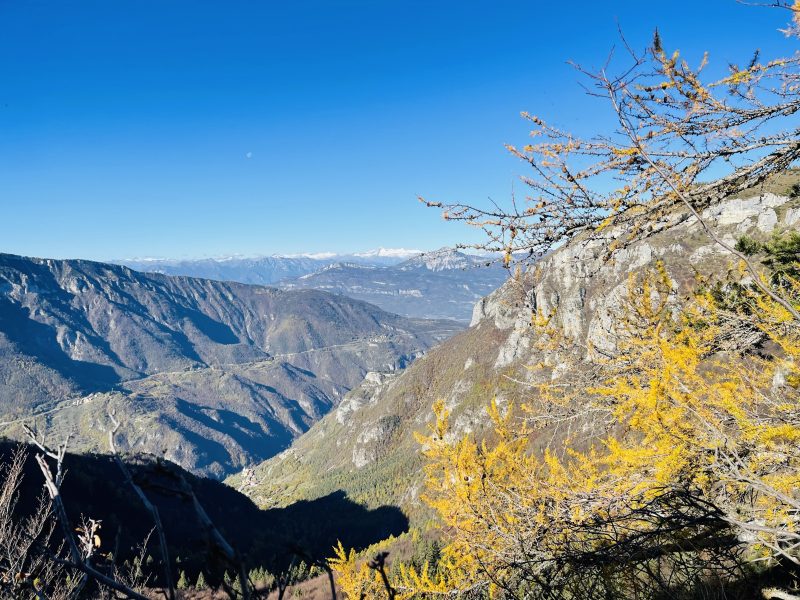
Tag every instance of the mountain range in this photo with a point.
(211, 375)
(307, 403)
(296, 393)
(443, 284)
(264, 270)
(431, 285)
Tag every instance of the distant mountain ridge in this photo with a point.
(439, 284)
(263, 270)
(211, 374)
(444, 284)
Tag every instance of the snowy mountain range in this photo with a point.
(439, 284)
(443, 284)
(263, 270)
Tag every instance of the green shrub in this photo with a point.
(748, 246)
(783, 258)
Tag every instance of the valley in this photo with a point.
(208, 374)
(367, 445)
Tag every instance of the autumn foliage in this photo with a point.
(690, 480)
(702, 458)
(683, 479)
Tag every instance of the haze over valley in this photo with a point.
(439, 284)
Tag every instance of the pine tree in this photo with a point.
(201, 582)
(183, 581)
(259, 575)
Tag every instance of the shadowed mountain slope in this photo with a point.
(94, 487)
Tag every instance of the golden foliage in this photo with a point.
(712, 435)
(353, 576)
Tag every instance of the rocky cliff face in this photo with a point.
(366, 445)
(584, 286)
(213, 375)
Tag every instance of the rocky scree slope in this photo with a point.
(444, 284)
(366, 445)
(212, 375)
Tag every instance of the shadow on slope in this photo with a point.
(260, 440)
(94, 487)
(39, 340)
(214, 330)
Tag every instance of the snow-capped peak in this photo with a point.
(443, 259)
(312, 255)
(389, 253)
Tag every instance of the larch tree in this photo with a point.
(697, 473)
(693, 474)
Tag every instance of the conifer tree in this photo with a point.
(183, 581)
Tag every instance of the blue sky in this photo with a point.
(126, 127)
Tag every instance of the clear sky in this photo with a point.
(196, 128)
